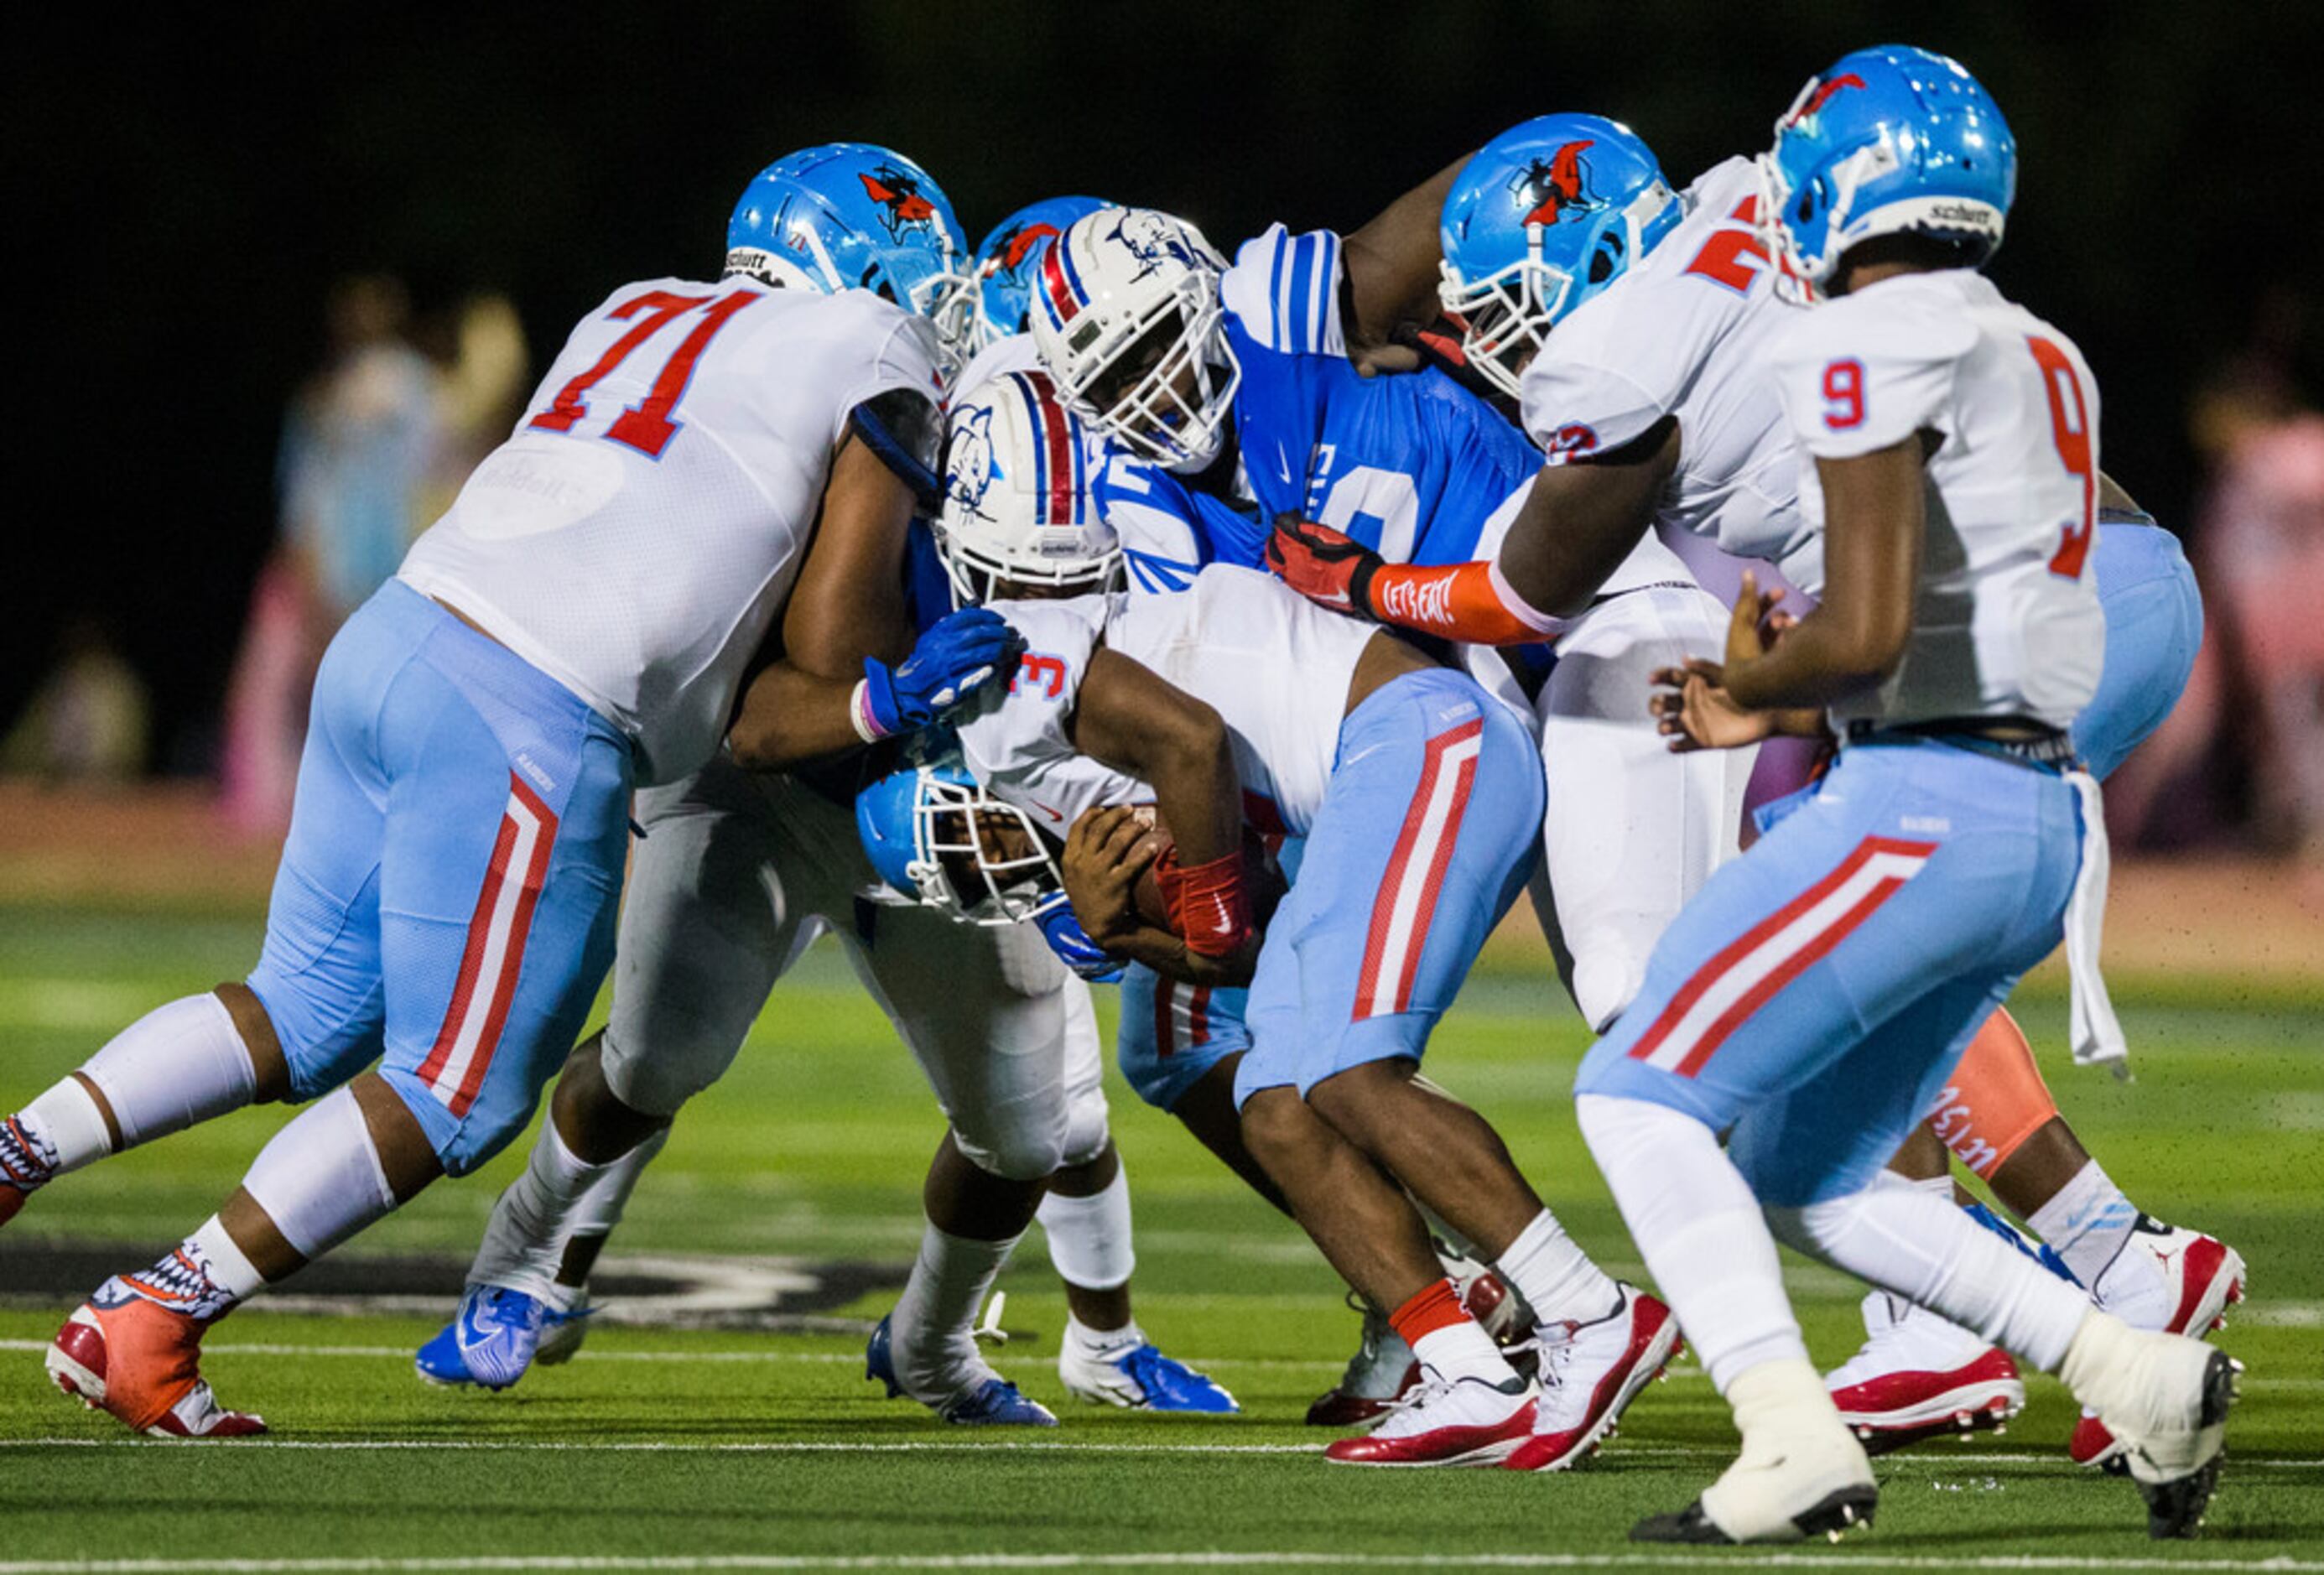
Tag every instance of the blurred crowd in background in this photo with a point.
(378, 440)
(181, 232)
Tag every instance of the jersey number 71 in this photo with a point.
(647, 425)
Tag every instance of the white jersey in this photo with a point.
(2006, 618)
(637, 536)
(1009, 353)
(1274, 666)
(1687, 332)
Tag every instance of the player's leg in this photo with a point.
(1813, 999)
(1631, 831)
(717, 906)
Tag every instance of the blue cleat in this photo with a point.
(986, 1400)
(1140, 1378)
(489, 1343)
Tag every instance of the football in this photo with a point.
(1263, 877)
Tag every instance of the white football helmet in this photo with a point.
(1127, 318)
(1016, 517)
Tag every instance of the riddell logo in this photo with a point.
(1424, 602)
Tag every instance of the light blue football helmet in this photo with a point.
(935, 835)
(855, 215)
(1007, 259)
(1889, 141)
(1540, 219)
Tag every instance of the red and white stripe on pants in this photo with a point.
(455, 1069)
(1415, 871)
(1182, 1016)
(1751, 969)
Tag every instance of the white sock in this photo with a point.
(533, 1221)
(1699, 1229)
(1089, 1238)
(1555, 1276)
(1926, 1250)
(1465, 1350)
(203, 1279)
(1102, 1343)
(930, 1333)
(2087, 1223)
(319, 1180)
(178, 1065)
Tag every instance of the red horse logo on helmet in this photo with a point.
(1017, 247)
(1555, 185)
(1819, 94)
(897, 194)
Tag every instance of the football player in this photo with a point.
(1415, 792)
(741, 867)
(1643, 365)
(1815, 996)
(1017, 520)
(579, 622)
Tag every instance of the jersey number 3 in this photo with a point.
(647, 425)
(2070, 429)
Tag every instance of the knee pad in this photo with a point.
(1995, 1099)
(657, 1077)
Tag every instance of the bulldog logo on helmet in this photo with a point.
(897, 192)
(969, 468)
(1153, 240)
(1553, 186)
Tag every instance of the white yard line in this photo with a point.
(1215, 1559)
(1952, 1460)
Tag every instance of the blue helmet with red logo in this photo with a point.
(1889, 141)
(855, 215)
(935, 835)
(1543, 217)
(1006, 261)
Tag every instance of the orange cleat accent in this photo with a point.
(140, 1363)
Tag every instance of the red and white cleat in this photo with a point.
(1920, 1376)
(26, 1162)
(138, 1362)
(2165, 1279)
(1465, 1422)
(1590, 1372)
(1384, 1373)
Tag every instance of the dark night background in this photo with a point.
(179, 196)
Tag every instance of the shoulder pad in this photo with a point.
(904, 428)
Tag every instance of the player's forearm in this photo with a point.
(1171, 957)
(1392, 261)
(1823, 660)
(1466, 601)
(788, 717)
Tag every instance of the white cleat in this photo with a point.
(2165, 1398)
(2165, 1279)
(1918, 1376)
(1781, 1489)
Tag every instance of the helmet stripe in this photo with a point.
(1054, 442)
(1061, 298)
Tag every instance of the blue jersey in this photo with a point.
(1411, 465)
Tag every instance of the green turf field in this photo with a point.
(687, 1449)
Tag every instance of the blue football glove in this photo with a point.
(960, 653)
(1073, 946)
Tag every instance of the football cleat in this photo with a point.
(490, 1342)
(1818, 1483)
(983, 1398)
(1382, 1372)
(1921, 1377)
(2166, 1279)
(2165, 1402)
(140, 1363)
(1465, 1421)
(1139, 1378)
(561, 1333)
(26, 1162)
(1589, 1374)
